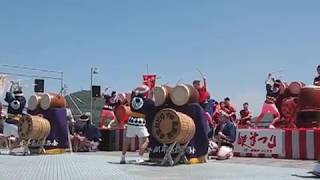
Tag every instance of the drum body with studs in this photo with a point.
(52, 100)
(162, 95)
(34, 127)
(34, 101)
(170, 126)
(183, 94)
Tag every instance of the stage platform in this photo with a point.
(105, 165)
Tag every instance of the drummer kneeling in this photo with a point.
(225, 134)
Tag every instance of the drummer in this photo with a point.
(108, 109)
(225, 135)
(230, 109)
(203, 92)
(86, 136)
(273, 91)
(316, 81)
(245, 117)
(140, 105)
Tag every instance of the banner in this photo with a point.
(259, 141)
(150, 80)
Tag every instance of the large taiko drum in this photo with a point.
(34, 127)
(170, 126)
(295, 88)
(308, 119)
(162, 95)
(34, 101)
(52, 100)
(309, 98)
(183, 94)
(123, 113)
(309, 107)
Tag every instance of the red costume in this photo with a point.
(245, 116)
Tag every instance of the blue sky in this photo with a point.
(235, 43)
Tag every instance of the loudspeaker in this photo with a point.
(39, 85)
(96, 91)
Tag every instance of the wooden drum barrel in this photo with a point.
(183, 94)
(170, 126)
(162, 95)
(34, 101)
(295, 88)
(309, 98)
(308, 119)
(123, 113)
(52, 100)
(34, 127)
(309, 107)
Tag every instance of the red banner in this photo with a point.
(150, 80)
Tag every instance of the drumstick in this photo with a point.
(202, 75)
(278, 71)
(179, 81)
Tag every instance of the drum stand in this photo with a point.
(27, 143)
(180, 149)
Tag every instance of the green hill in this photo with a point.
(82, 100)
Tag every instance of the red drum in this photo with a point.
(34, 101)
(183, 94)
(308, 119)
(52, 100)
(309, 107)
(123, 113)
(295, 88)
(309, 98)
(162, 95)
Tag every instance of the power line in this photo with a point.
(33, 76)
(32, 69)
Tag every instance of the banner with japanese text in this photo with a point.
(259, 141)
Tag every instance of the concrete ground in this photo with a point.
(105, 165)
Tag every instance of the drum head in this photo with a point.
(33, 102)
(160, 95)
(180, 95)
(25, 126)
(45, 102)
(166, 126)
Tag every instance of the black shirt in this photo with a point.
(16, 104)
(271, 92)
(229, 130)
(316, 80)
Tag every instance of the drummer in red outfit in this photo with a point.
(245, 117)
(204, 95)
(230, 110)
